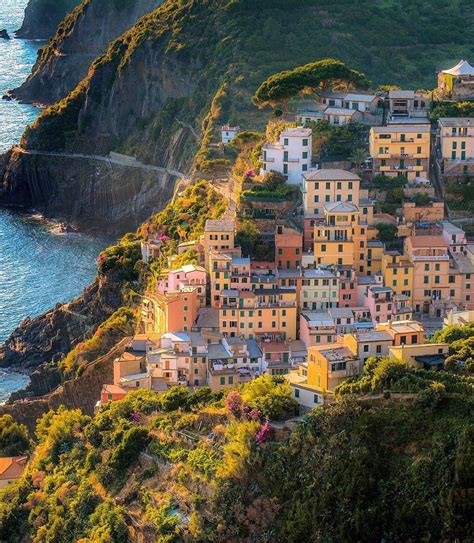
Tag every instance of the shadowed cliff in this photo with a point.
(81, 37)
(43, 16)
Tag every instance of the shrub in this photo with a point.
(14, 439)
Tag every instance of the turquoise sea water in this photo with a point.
(38, 266)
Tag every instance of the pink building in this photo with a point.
(347, 287)
(240, 273)
(379, 300)
(317, 328)
(188, 275)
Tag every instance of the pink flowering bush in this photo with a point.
(233, 403)
(264, 434)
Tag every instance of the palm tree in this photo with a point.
(359, 157)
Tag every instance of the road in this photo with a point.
(101, 158)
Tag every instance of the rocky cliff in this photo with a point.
(81, 392)
(197, 64)
(42, 341)
(43, 16)
(81, 37)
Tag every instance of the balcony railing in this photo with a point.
(438, 258)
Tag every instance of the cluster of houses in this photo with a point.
(334, 294)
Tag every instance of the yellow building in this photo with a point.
(264, 313)
(400, 150)
(321, 187)
(330, 365)
(426, 355)
(218, 235)
(456, 138)
(397, 271)
(345, 239)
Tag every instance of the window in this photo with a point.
(414, 339)
(366, 348)
(285, 141)
(437, 267)
(378, 349)
(305, 142)
(297, 393)
(315, 398)
(285, 169)
(426, 279)
(323, 248)
(231, 380)
(305, 154)
(305, 167)
(222, 380)
(316, 198)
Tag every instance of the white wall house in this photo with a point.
(228, 133)
(341, 116)
(350, 100)
(291, 156)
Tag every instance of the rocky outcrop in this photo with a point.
(90, 194)
(81, 37)
(45, 339)
(4, 35)
(82, 392)
(43, 16)
(136, 100)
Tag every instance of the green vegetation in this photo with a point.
(386, 374)
(339, 142)
(451, 109)
(461, 347)
(215, 470)
(307, 79)
(14, 440)
(249, 238)
(121, 324)
(386, 232)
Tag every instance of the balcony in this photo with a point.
(268, 159)
(295, 160)
(434, 258)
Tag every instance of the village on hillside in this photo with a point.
(320, 262)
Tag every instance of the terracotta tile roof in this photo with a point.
(12, 467)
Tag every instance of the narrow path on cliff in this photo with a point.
(109, 160)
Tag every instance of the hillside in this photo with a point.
(43, 16)
(214, 470)
(197, 64)
(64, 61)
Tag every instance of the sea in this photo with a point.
(39, 265)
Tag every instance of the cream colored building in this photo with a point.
(456, 142)
(400, 150)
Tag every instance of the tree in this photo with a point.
(359, 157)
(273, 180)
(387, 231)
(322, 74)
(247, 237)
(14, 439)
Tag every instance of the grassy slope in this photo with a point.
(241, 42)
(357, 471)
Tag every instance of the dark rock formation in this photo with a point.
(38, 342)
(82, 392)
(43, 16)
(84, 35)
(90, 194)
(4, 35)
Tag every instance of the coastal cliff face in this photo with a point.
(43, 16)
(91, 194)
(81, 392)
(81, 37)
(45, 339)
(177, 74)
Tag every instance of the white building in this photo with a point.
(228, 133)
(350, 100)
(341, 116)
(291, 156)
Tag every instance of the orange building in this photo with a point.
(329, 366)
(345, 239)
(431, 270)
(266, 312)
(218, 235)
(288, 247)
(432, 212)
(404, 332)
(112, 393)
(170, 312)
